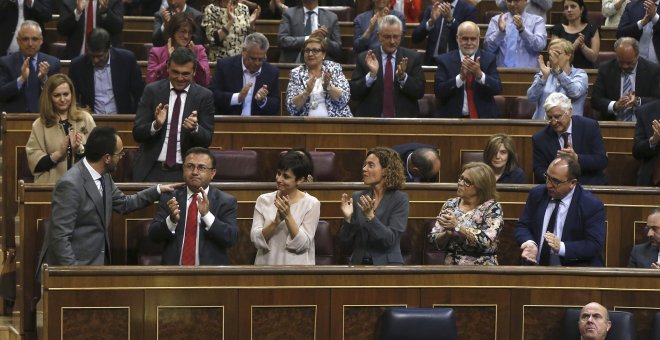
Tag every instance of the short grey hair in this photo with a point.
(390, 20)
(256, 39)
(627, 41)
(557, 99)
(32, 23)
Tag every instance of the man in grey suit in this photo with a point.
(299, 23)
(173, 115)
(647, 254)
(83, 201)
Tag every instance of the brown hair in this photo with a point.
(324, 45)
(390, 161)
(493, 147)
(483, 179)
(48, 116)
(177, 21)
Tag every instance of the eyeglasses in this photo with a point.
(555, 118)
(554, 181)
(314, 51)
(121, 154)
(466, 182)
(391, 36)
(200, 168)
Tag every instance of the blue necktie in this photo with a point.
(627, 88)
(32, 90)
(544, 260)
(511, 41)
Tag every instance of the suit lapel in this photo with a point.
(183, 208)
(92, 191)
(188, 107)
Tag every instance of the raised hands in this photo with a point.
(368, 206)
(501, 22)
(244, 92)
(545, 67)
(173, 207)
(517, 20)
(529, 252)
(321, 32)
(283, 206)
(160, 116)
(346, 207)
(190, 122)
(261, 94)
(372, 63)
(472, 66)
(401, 69)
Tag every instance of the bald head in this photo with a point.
(468, 38)
(594, 322)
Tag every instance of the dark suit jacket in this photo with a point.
(79, 219)
(291, 35)
(226, 82)
(199, 99)
(450, 98)
(584, 228)
(587, 143)
(404, 150)
(628, 24)
(381, 237)
(159, 38)
(222, 234)
(12, 99)
(41, 12)
(464, 11)
(361, 24)
(127, 83)
(642, 255)
(641, 148)
(74, 31)
(607, 86)
(371, 98)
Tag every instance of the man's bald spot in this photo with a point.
(468, 25)
(603, 311)
(558, 162)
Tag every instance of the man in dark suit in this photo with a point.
(640, 21)
(83, 201)
(162, 17)
(299, 23)
(612, 96)
(22, 74)
(647, 254)
(573, 136)
(173, 115)
(466, 80)
(563, 218)
(107, 79)
(75, 24)
(365, 36)
(388, 81)
(258, 93)
(421, 161)
(645, 144)
(197, 222)
(439, 27)
(40, 11)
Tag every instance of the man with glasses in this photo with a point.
(623, 84)
(197, 223)
(388, 81)
(647, 254)
(258, 92)
(173, 116)
(83, 201)
(562, 224)
(107, 79)
(576, 137)
(299, 23)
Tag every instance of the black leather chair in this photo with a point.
(623, 325)
(655, 331)
(236, 165)
(325, 166)
(418, 324)
(324, 245)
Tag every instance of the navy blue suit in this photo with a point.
(12, 99)
(41, 12)
(628, 24)
(584, 227)
(642, 151)
(213, 243)
(112, 21)
(450, 97)
(587, 143)
(228, 79)
(464, 11)
(127, 83)
(404, 150)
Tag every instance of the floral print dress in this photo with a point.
(215, 17)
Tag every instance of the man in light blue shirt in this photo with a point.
(516, 37)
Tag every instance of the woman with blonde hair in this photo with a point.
(375, 218)
(469, 225)
(59, 134)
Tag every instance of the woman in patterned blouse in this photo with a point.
(227, 23)
(318, 87)
(468, 226)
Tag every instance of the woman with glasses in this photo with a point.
(284, 221)
(375, 218)
(180, 30)
(59, 134)
(469, 225)
(576, 28)
(226, 24)
(558, 75)
(500, 155)
(318, 87)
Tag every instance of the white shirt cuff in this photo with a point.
(234, 99)
(208, 220)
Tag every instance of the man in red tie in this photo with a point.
(466, 80)
(173, 115)
(79, 17)
(388, 81)
(197, 223)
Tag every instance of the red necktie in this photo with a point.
(89, 18)
(190, 236)
(470, 97)
(170, 156)
(565, 137)
(388, 89)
